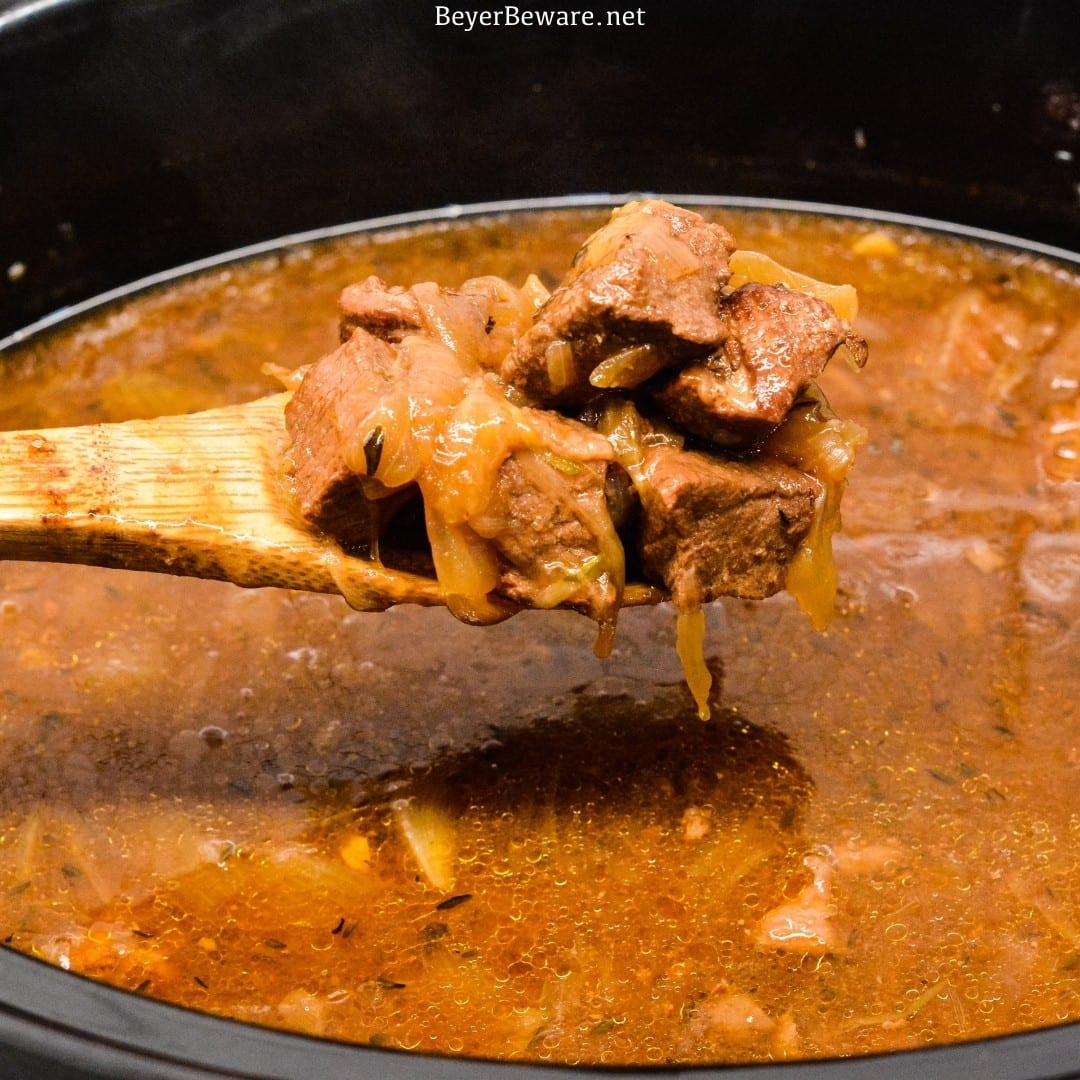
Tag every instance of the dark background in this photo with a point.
(136, 136)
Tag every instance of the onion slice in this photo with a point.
(747, 266)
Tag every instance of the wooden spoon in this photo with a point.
(202, 495)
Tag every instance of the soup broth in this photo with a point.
(399, 830)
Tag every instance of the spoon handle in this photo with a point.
(202, 495)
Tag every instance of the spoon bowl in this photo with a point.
(203, 494)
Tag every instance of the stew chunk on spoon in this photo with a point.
(655, 418)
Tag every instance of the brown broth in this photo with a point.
(400, 830)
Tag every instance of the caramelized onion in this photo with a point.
(638, 221)
(628, 368)
(468, 571)
(629, 434)
(429, 831)
(443, 321)
(534, 293)
(814, 439)
(690, 645)
(399, 454)
(747, 266)
(669, 250)
(474, 439)
(559, 358)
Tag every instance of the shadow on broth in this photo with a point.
(401, 831)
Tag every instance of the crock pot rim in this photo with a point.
(44, 1011)
(590, 200)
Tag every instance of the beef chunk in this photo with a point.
(385, 311)
(712, 527)
(547, 535)
(335, 396)
(480, 319)
(652, 276)
(548, 518)
(774, 343)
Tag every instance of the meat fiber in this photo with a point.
(774, 343)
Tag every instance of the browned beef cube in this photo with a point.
(775, 342)
(652, 276)
(550, 524)
(335, 396)
(711, 527)
(550, 545)
(386, 311)
(480, 320)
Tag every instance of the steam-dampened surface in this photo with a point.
(395, 828)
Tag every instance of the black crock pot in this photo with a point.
(137, 136)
